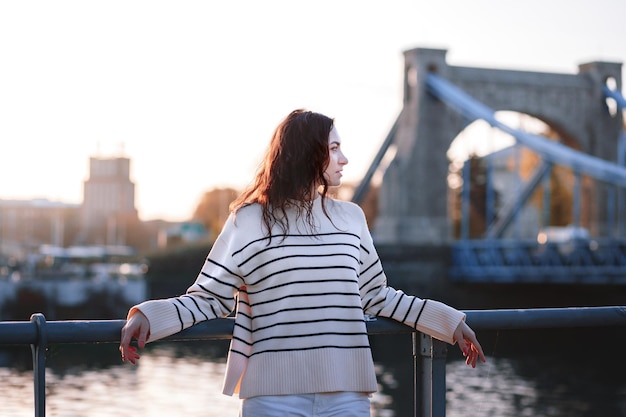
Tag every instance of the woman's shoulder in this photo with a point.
(347, 207)
(343, 204)
(242, 224)
(246, 215)
(249, 209)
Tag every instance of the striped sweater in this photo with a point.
(299, 326)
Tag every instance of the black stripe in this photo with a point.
(367, 304)
(420, 314)
(371, 266)
(295, 246)
(307, 282)
(297, 236)
(239, 353)
(310, 268)
(193, 316)
(315, 335)
(244, 314)
(321, 294)
(395, 308)
(379, 302)
(408, 310)
(213, 311)
(290, 323)
(217, 297)
(196, 304)
(221, 282)
(242, 327)
(311, 348)
(180, 319)
(284, 310)
(368, 282)
(224, 268)
(245, 342)
(324, 255)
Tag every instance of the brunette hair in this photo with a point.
(293, 166)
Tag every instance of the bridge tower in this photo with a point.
(413, 196)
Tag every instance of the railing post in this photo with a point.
(417, 381)
(433, 355)
(39, 363)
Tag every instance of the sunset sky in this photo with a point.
(191, 90)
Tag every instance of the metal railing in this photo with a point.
(429, 355)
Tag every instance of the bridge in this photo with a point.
(500, 226)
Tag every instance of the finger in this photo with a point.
(470, 360)
(474, 344)
(125, 340)
(461, 342)
(130, 354)
(474, 358)
(479, 351)
(125, 347)
(143, 336)
(133, 356)
(478, 355)
(469, 353)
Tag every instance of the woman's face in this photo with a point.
(336, 159)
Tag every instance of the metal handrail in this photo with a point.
(429, 354)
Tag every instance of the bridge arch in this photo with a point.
(499, 167)
(412, 202)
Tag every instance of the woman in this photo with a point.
(304, 271)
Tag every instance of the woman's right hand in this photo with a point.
(136, 327)
(468, 343)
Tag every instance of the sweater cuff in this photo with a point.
(440, 321)
(162, 317)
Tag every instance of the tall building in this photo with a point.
(109, 215)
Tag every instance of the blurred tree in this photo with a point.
(212, 211)
(369, 204)
(561, 186)
(478, 192)
(478, 196)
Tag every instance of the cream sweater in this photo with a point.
(299, 326)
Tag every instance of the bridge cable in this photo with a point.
(361, 191)
(553, 152)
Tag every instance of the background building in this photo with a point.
(27, 224)
(109, 215)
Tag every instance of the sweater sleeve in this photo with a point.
(212, 295)
(427, 316)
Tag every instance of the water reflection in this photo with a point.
(491, 390)
(548, 373)
(185, 379)
(566, 386)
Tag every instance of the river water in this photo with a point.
(572, 374)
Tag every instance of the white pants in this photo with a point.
(336, 404)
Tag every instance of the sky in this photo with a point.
(191, 91)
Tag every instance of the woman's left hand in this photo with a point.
(466, 338)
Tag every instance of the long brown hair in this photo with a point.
(293, 166)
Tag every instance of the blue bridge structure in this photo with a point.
(500, 227)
